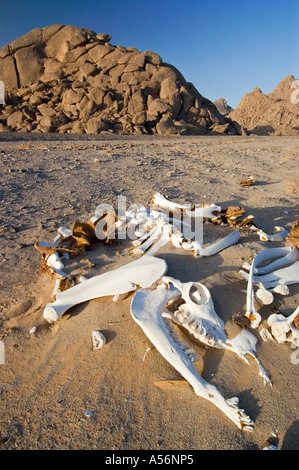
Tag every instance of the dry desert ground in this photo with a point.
(55, 391)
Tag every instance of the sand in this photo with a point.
(57, 393)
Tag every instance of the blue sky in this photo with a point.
(224, 47)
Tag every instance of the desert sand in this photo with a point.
(57, 393)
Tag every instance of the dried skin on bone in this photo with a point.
(146, 308)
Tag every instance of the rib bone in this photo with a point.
(146, 308)
(199, 250)
(143, 272)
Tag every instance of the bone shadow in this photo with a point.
(291, 438)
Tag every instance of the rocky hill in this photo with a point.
(69, 79)
(222, 106)
(276, 113)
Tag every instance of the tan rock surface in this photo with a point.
(274, 113)
(58, 57)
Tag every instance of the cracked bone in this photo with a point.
(146, 308)
(284, 329)
(199, 317)
(143, 272)
(277, 280)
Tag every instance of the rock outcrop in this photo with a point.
(222, 106)
(69, 79)
(276, 113)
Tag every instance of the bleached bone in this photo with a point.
(98, 339)
(204, 211)
(199, 250)
(274, 280)
(143, 272)
(266, 335)
(245, 343)
(161, 201)
(146, 308)
(284, 276)
(161, 228)
(144, 237)
(142, 248)
(285, 255)
(280, 235)
(60, 282)
(54, 262)
(264, 296)
(283, 328)
(197, 314)
(64, 232)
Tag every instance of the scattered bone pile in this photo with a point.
(69, 79)
(160, 300)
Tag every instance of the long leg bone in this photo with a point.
(143, 272)
(146, 308)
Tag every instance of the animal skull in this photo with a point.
(146, 308)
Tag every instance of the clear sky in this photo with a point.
(224, 47)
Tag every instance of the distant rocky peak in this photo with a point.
(222, 106)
